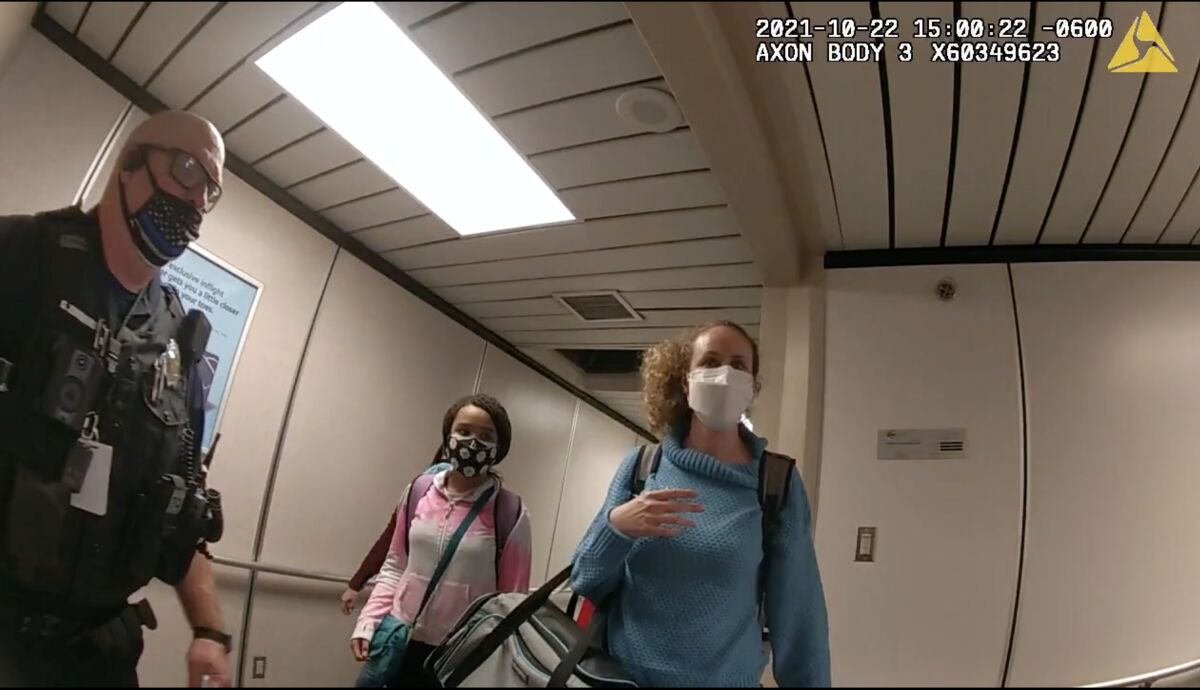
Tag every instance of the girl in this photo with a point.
(684, 555)
(476, 436)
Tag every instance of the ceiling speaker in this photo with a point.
(650, 110)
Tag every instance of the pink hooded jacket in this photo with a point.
(471, 574)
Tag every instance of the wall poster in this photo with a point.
(228, 298)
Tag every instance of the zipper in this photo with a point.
(442, 543)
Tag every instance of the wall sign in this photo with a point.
(228, 298)
(922, 444)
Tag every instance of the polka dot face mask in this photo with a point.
(469, 455)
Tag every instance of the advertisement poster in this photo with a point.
(227, 298)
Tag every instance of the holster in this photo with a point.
(119, 636)
(122, 636)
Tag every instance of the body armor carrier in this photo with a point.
(82, 394)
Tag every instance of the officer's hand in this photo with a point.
(207, 658)
(359, 648)
(655, 514)
(348, 598)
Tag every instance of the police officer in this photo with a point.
(102, 480)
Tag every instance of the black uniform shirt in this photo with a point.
(23, 277)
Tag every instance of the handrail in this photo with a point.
(255, 566)
(1146, 679)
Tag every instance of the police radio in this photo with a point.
(193, 335)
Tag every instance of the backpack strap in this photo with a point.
(508, 510)
(774, 482)
(417, 489)
(648, 459)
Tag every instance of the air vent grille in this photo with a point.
(593, 307)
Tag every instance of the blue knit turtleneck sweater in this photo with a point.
(687, 612)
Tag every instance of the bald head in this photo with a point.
(179, 129)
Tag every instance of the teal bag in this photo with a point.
(386, 651)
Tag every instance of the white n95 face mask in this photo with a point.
(720, 395)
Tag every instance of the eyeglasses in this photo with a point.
(191, 175)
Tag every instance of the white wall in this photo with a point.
(789, 408)
(597, 449)
(380, 370)
(1111, 386)
(54, 116)
(935, 606)
(14, 27)
(1112, 378)
(542, 414)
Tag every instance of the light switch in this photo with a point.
(260, 667)
(864, 551)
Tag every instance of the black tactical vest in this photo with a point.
(157, 510)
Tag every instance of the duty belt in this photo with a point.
(115, 636)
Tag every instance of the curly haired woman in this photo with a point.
(684, 555)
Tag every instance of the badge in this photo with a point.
(172, 365)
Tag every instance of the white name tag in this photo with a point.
(93, 495)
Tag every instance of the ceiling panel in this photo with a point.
(285, 121)
(568, 68)
(158, 32)
(675, 254)
(1052, 103)
(406, 13)
(538, 306)
(796, 92)
(570, 122)
(343, 184)
(644, 195)
(638, 156)
(1102, 127)
(695, 299)
(1173, 179)
(626, 399)
(1185, 225)
(1159, 109)
(106, 23)
(482, 31)
(245, 90)
(679, 319)
(648, 302)
(318, 153)
(631, 398)
(922, 99)
(665, 279)
(67, 14)
(597, 234)
(624, 405)
(657, 226)
(376, 210)
(406, 233)
(850, 103)
(989, 94)
(231, 35)
(618, 339)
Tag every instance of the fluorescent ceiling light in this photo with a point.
(363, 76)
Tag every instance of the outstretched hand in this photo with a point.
(655, 513)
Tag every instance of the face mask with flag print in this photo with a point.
(470, 455)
